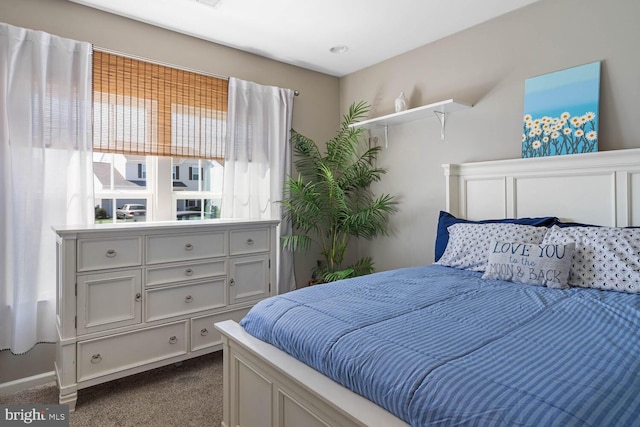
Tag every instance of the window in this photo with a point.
(116, 185)
(200, 197)
(194, 173)
(150, 121)
(142, 170)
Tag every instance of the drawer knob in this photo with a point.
(138, 296)
(249, 242)
(96, 358)
(232, 282)
(188, 247)
(173, 339)
(111, 253)
(188, 272)
(188, 298)
(204, 332)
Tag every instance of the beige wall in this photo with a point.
(487, 66)
(316, 112)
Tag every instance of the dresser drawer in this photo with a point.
(248, 241)
(185, 247)
(185, 271)
(162, 303)
(99, 254)
(204, 335)
(103, 356)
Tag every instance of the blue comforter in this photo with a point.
(438, 346)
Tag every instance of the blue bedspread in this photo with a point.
(438, 346)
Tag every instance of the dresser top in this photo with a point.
(164, 226)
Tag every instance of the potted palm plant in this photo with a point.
(330, 201)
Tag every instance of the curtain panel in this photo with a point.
(46, 178)
(258, 161)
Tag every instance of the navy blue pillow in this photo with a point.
(446, 219)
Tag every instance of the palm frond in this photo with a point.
(333, 276)
(363, 266)
(296, 242)
(344, 146)
(308, 158)
(371, 220)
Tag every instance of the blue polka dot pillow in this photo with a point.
(469, 244)
(605, 258)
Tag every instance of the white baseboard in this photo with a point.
(23, 384)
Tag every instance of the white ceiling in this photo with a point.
(301, 32)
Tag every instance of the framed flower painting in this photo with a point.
(561, 112)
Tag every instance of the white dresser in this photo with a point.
(133, 297)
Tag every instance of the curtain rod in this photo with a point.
(164, 64)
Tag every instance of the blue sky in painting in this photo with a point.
(575, 90)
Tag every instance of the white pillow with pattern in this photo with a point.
(605, 258)
(469, 244)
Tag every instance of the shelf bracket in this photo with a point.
(386, 136)
(441, 115)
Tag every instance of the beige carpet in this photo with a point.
(186, 395)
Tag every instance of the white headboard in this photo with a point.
(600, 188)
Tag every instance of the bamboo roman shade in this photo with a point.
(146, 108)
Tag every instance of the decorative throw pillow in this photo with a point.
(605, 258)
(446, 220)
(468, 247)
(541, 264)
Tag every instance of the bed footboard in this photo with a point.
(264, 386)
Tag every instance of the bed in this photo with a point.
(467, 340)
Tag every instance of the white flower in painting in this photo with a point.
(576, 121)
(567, 131)
(579, 133)
(545, 139)
(538, 131)
(592, 135)
(536, 122)
(527, 118)
(536, 145)
(524, 137)
(555, 135)
(590, 116)
(532, 132)
(565, 116)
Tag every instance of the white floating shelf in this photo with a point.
(440, 109)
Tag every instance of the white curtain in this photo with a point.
(46, 178)
(258, 160)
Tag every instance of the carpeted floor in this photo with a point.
(186, 395)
